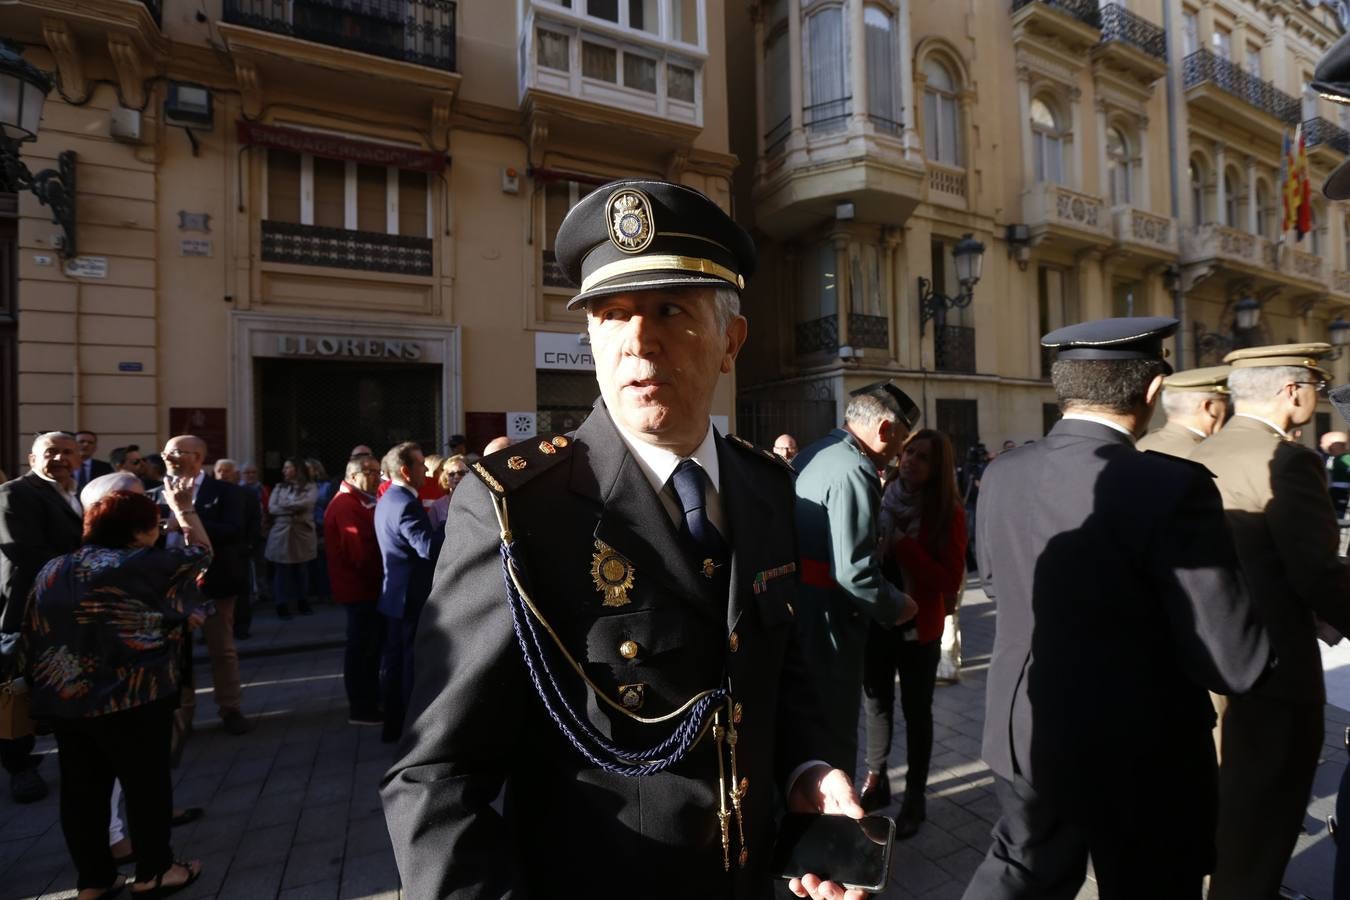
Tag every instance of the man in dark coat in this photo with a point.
(220, 506)
(40, 518)
(638, 689)
(88, 468)
(1120, 601)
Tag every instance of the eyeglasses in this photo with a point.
(1321, 387)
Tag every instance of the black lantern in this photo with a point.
(23, 89)
(968, 255)
(1247, 313)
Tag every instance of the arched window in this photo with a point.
(826, 65)
(1047, 139)
(883, 106)
(941, 115)
(1231, 202)
(1118, 155)
(1265, 211)
(1196, 173)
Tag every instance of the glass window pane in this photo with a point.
(685, 21)
(828, 285)
(554, 50)
(1043, 116)
(330, 192)
(283, 186)
(931, 126)
(603, 9)
(1054, 154)
(939, 78)
(880, 46)
(642, 15)
(680, 83)
(412, 204)
(372, 198)
(599, 61)
(639, 72)
(826, 63)
(777, 78)
(951, 131)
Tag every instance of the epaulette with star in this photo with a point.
(509, 468)
(759, 452)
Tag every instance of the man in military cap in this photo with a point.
(1120, 600)
(1275, 495)
(1196, 403)
(843, 590)
(610, 634)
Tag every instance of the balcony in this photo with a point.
(1065, 218)
(1340, 283)
(394, 56)
(946, 185)
(1323, 139)
(1131, 44)
(421, 32)
(818, 335)
(1213, 243)
(1212, 83)
(954, 348)
(338, 248)
(1297, 265)
(1076, 23)
(1213, 248)
(1144, 234)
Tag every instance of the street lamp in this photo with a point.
(23, 89)
(1246, 316)
(1339, 333)
(968, 255)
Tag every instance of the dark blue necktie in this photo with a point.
(691, 487)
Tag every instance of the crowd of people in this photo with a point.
(108, 568)
(655, 637)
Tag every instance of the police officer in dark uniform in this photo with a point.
(610, 633)
(1120, 600)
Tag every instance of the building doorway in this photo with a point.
(323, 409)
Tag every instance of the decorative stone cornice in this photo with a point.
(63, 47)
(132, 70)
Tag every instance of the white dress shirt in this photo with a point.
(1089, 417)
(71, 497)
(658, 464)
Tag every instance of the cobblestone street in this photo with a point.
(292, 809)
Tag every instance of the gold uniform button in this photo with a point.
(734, 642)
(628, 649)
(736, 713)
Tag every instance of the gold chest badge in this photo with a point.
(630, 220)
(612, 574)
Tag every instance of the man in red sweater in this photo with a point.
(355, 573)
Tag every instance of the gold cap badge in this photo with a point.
(612, 574)
(631, 228)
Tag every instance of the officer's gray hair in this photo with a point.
(727, 306)
(1260, 384)
(866, 411)
(1186, 403)
(49, 437)
(356, 465)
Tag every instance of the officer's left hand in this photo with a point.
(821, 789)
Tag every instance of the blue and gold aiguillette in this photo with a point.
(612, 574)
(630, 225)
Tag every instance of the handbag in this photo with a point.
(15, 721)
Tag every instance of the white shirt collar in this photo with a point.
(1264, 421)
(1195, 431)
(72, 498)
(658, 463)
(1089, 417)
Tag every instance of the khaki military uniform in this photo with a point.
(1174, 439)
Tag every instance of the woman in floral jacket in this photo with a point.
(103, 632)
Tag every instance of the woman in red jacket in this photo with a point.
(924, 530)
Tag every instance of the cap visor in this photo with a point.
(1337, 185)
(647, 281)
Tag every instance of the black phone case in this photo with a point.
(804, 837)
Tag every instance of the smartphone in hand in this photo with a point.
(853, 852)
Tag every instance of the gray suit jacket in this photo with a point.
(476, 722)
(1275, 494)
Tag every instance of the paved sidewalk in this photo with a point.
(292, 810)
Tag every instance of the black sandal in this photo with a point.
(115, 888)
(162, 890)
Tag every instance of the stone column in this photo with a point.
(857, 61)
(1088, 277)
(1024, 125)
(1220, 194)
(1103, 169)
(1253, 214)
(842, 282)
(1141, 196)
(908, 98)
(1075, 137)
(761, 88)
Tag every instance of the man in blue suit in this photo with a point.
(409, 546)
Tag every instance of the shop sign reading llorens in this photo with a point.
(347, 347)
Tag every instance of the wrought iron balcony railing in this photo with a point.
(1318, 131)
(818, 335)
(954, 348)
(1203, 66)
(156, 11)
(1119, 24)
(371, 251)
(1084, 11)
(414, 31)
(777, 136)
(829, 115)
(869, 331)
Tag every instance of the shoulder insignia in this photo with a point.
(510, 468)
(1181, 459)
(760, 452)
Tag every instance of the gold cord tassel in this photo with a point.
(719, 734)
(739, 787)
